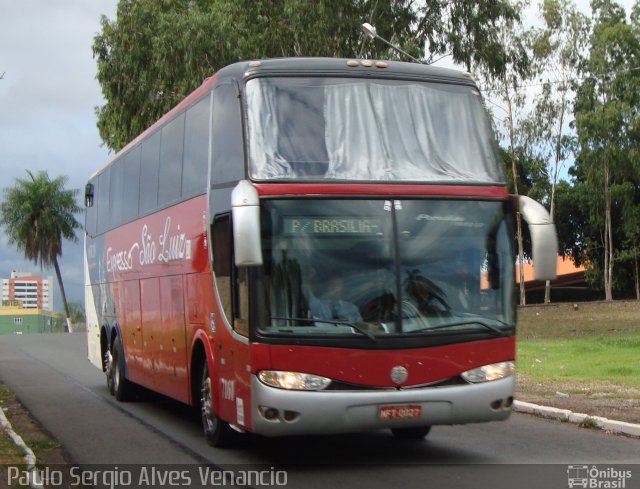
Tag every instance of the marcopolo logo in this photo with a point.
(597, 477)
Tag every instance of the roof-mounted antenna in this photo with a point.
(370, 31)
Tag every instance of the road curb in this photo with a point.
(621, 427)
(29, 456)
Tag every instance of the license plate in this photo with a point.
(404, 411)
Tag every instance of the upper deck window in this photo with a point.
(369, 130)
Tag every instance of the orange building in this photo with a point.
(567, 271)
(32, 291)
(570, 284)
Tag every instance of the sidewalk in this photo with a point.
(583, 420)
(29, 442)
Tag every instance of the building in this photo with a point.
(33, 291)
(16, 319)
(569, 286)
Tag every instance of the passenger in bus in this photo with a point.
(330, 305)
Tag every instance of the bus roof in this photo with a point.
(304, 66)
(342, 67)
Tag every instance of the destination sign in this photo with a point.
(331, 225)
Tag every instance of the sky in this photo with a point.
(47, 99)
(48, 95)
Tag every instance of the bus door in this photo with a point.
(241, 348)
(231, 347)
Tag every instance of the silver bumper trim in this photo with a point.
(323, 412)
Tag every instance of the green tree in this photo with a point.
(605, 111)
(77, 312)
(471, 32)
(557, 48)
(37, 214)
(532, 181)
(532, 173)
(157, 51)
(509, 86)
(629, 252)
(572, 221)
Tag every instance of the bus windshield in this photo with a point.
(368, 130)
(385, 267)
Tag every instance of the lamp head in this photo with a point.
(369, 30)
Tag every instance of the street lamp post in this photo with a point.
(370, 31)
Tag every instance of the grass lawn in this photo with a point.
(585, 358)
(9, 452)
(611, 359)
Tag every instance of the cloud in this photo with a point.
(47, 102)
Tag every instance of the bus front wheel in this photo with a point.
(217, 432)
(411, 433)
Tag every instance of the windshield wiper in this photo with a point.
(335, 322)
(494, 329)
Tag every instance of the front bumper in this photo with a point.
(324, 412)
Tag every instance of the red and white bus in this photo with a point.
(312, 246)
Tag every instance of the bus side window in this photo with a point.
(241, 303)
(102, 199)
(91, 220)
(149, 170)
(171, 149)
(227, 147)
(231, 282)
(196, 148)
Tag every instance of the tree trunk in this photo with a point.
(608, 238)
(547, 292)
(523, 295)
(68, 328)
(637, 278)
(554, 181)
(514, 171)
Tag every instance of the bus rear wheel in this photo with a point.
(411, 433)
(217, 432)
(119, 386)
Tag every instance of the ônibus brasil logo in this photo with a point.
(597, 478)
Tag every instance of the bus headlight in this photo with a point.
(486, 373)
(293, 380)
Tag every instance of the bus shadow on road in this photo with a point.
(366, 448)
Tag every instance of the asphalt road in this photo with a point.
(52, 377)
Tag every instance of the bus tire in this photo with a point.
(217, 432)
(108, 369)
(120, 386)
(411, 433)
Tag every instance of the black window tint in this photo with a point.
(227, 146)
(196, 149)
(149, 166)
(169, 183)
(130, 186)
(115, 194)
(102, 199)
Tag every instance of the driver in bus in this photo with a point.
(330, 305)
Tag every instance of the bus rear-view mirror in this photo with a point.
(544, 240)
(245, 212)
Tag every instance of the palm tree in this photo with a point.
(37, 214)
